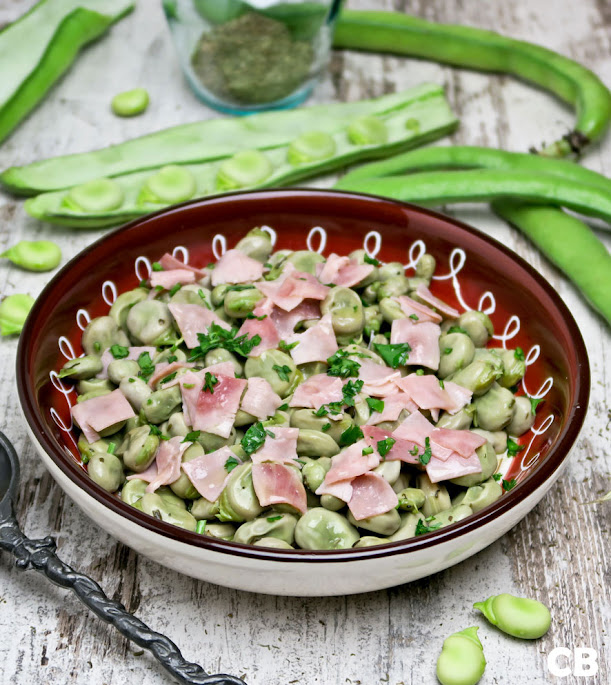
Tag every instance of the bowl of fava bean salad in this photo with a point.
(245, 387)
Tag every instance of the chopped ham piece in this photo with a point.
(453, 467)
(427, 393)
(149, 475)
(462, 441)
(98, 413)
(402, 450)
(134, 353)
(371, 495)
(208, 473)
(279, 484)
(342, 271)
(259, 399)
(318, 390)
(411, 308)
(169, 262)
(415, 428)
(423, 338)
(236, 267)
(267, 331)
(280, 449)
(393, 406)
(215, 411)
(378, 380)
(427, 296)
(316, 344)
(167, 460)
(342, 490)
(292, 287)
(286, 321)
(164, 369)
(193, 319)
(192, 382)
(168, 279)
(351, 462)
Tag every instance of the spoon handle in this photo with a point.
(40, 555)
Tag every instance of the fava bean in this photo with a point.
(494, 410)
(136, 391)
(451, 515)
(82, 367)
(477, 377)
(203, 509)
(281, 526)
(479, 496)
(407, 529)
(306, 419)
(359, 256)
(160, 404)
(331, 502)
(390, 310)
(462, 660)
(457, 352)
(371, 541)
(122, 368)
(498, 439)
(96, 196)
(389, 470)
(100, 334)
(384, 524)
(514, 368)
(311, 443)
(14, 310)
(124, 302)
(478, 326)
(220, 355)
(88, 385)
(130, 103)
(263, 366)
(150, 323)
(106, 470)
(88, 448)
(487, 459)
(166, 509)
(314, 472)
(411, 499)
(459, 421)
(138, 449)
(272, 542)
(257, 244)
(245, 168)
(133, 491)
(182, 486)
(311, 146)
(220, 531)
(346, 311)
(320, 528)
(37, 255)
(522, 417)
(238, 501)
(517, 616)
(425, 266)
(436, 497)
(239, 303)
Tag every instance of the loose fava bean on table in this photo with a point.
(517, 616)
(283, 469)
(37, 255)
(462, 660)
(130, 103)
(14, 310)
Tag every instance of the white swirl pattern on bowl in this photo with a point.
(372, 243)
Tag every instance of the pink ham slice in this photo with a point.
(402, 450)
(259, 399)
(191, 384)
(413, 309)
(316, 344)
(98, 413)
(285, 322)
(168, 279)
(280, 449)
(427, 296)
(378, 380)
(167, 460)
(453, 467)
(193, 319)
(342, 490)
(351, 462)
(416, 428)
(371, 495)
(267, 331)
(427, 393)
(279, 484)
(169, 262)
(462, 441)
(423, 338)
(164, 369)
(134, 353)
(208, 473)
(236, 267)
(342, 271)
(318, 390)
(149, 475)
(292, 287)
(393, 406)
(215, 411)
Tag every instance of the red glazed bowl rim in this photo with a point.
(547, 469)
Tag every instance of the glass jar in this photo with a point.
(242, 56)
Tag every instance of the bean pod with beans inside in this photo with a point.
(320, 389)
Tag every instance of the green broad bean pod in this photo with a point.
(110, 201)
(474, 48)
(517, 616)
(218, 139)
(60, 30)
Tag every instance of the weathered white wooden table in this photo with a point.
(559, 553)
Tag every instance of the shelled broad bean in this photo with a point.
(142, 317)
